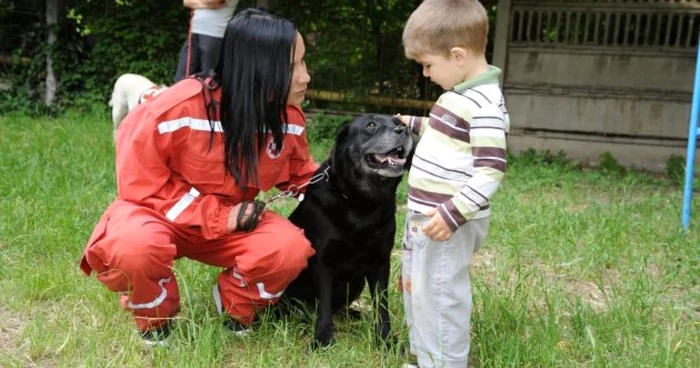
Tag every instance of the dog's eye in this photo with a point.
(371, 124)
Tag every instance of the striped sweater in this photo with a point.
(460, 159)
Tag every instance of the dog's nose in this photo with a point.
(400, 129)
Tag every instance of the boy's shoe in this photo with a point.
(230, 323)
(157, 336)
(412, 363)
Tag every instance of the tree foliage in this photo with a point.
(354, 47)
(98, 41)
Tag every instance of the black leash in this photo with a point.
(251, 222)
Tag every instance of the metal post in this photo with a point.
(500, 43)
(692, 141)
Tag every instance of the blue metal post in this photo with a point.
(692, 141)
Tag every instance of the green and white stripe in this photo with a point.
(460, 159)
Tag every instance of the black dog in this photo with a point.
(349, 218)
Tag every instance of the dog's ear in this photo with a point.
(342, 132)
(409, 157)
(341, 136)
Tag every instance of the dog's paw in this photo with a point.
(385, 338)
(396, 344)
(321, 345)
(323, 337)
(383, 331)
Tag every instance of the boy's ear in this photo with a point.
(460, 54)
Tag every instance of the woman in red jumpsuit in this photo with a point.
(189, 159)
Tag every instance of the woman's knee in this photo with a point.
(295, 250)
(286, 253)
(139, 251)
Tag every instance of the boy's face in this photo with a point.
(442, 70)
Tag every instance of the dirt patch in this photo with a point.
(484, 263)
(485, 258)
(596, 294)
(653, 271)
(11, 344)
(592, 294)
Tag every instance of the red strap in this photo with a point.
(189, 46)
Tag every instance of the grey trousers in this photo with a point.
(437, 291)
(204, 55)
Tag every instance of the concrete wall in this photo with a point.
(588, 77)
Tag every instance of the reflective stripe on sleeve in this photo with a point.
(182, 204)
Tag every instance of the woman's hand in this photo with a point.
(249, 210)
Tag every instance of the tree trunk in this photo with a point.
(421, 81)
(51, 25)
(375, 19)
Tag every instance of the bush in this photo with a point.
(675, 168)
(97, 42)
(609, 165)
(546, 157)
(323, 126)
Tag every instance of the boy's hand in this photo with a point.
(404, 119)
(436, 228)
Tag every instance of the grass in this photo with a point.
(582, 268)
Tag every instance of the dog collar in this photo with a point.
(337, 188)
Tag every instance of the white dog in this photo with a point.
(129, 91)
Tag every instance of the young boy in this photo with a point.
(459, 163)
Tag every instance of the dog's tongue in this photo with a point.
(393, 160)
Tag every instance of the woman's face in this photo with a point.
(300, 76)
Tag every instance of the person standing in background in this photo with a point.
(207, 24)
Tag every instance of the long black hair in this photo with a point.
(255, 73)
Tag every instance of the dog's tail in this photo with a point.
(120, 107)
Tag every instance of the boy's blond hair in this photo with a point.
(437, 26)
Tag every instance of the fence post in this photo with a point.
(692, 141)
(500, 39)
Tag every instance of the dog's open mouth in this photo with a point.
(392, 159)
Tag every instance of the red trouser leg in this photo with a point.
(258, 265)
(135, 254)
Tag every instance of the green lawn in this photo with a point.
(581, 268)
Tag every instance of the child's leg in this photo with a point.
(441, 295)
(188, 62)
(406, 264)
(209, 50)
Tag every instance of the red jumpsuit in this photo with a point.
(174, 197)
